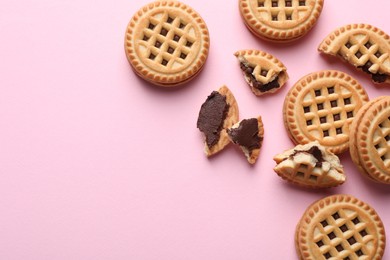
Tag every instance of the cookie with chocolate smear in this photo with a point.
(311, 166)
(263, 72)
(362, 45)
(248, 134)
(218, 113)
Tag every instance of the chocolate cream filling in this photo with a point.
(315, 151)
(246, 134)
(212, 115)
(377, 77)
(248, 71)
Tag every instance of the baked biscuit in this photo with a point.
(218, 113)
(263, 72)
(249, 135)
(340, 227)
(321, 106)
(167, 43)
(363, 46)
(370, 140)
(311, 166)
(280, 20)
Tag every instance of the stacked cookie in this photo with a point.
(370, 136)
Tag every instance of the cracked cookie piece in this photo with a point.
(363, 46)
(263, 72)
(280, 20)
(321, 106)
(218, 113)
(167, 43)
(311, 166)
(340, 227)
(248, 134)
(370, 140)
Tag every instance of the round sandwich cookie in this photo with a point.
(364, 46)
(370, 140)
(340, 227)
(167, 43)
(321, 106)
(280, 20)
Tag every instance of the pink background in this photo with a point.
(97, 164)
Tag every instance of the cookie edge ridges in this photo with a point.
(264, 54)
(275, 34)
(326, 43)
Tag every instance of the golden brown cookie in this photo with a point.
(363, 46)
(167, 43)
(280, 20)
(249, 135)
(263, 72)
(311, 166)
(321, 106)
(340, 227)
(370, 140)
(218, 113)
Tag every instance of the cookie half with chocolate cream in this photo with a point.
(364, 46)
(263, 72)
(218, 113)
(311, 166)
(248, 134)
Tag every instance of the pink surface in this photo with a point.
(97, 164)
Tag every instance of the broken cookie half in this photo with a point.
(263, 72)
(218, 113)
(248, 134)
(310, 165)
(362, 45)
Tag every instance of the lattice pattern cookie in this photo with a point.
(249, 135)
(321, 106)
(364, 46)
(263, 72)
(310, 166)
(280, 20)
(340, 227)
(218, 113)
(167, 43)
(370, 139)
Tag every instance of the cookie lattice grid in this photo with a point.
(282, 10)
(308, 173)
(343, 235)
(326, 111)
(168, 40)
(381, 141)
(363, 51)
(258, 71)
